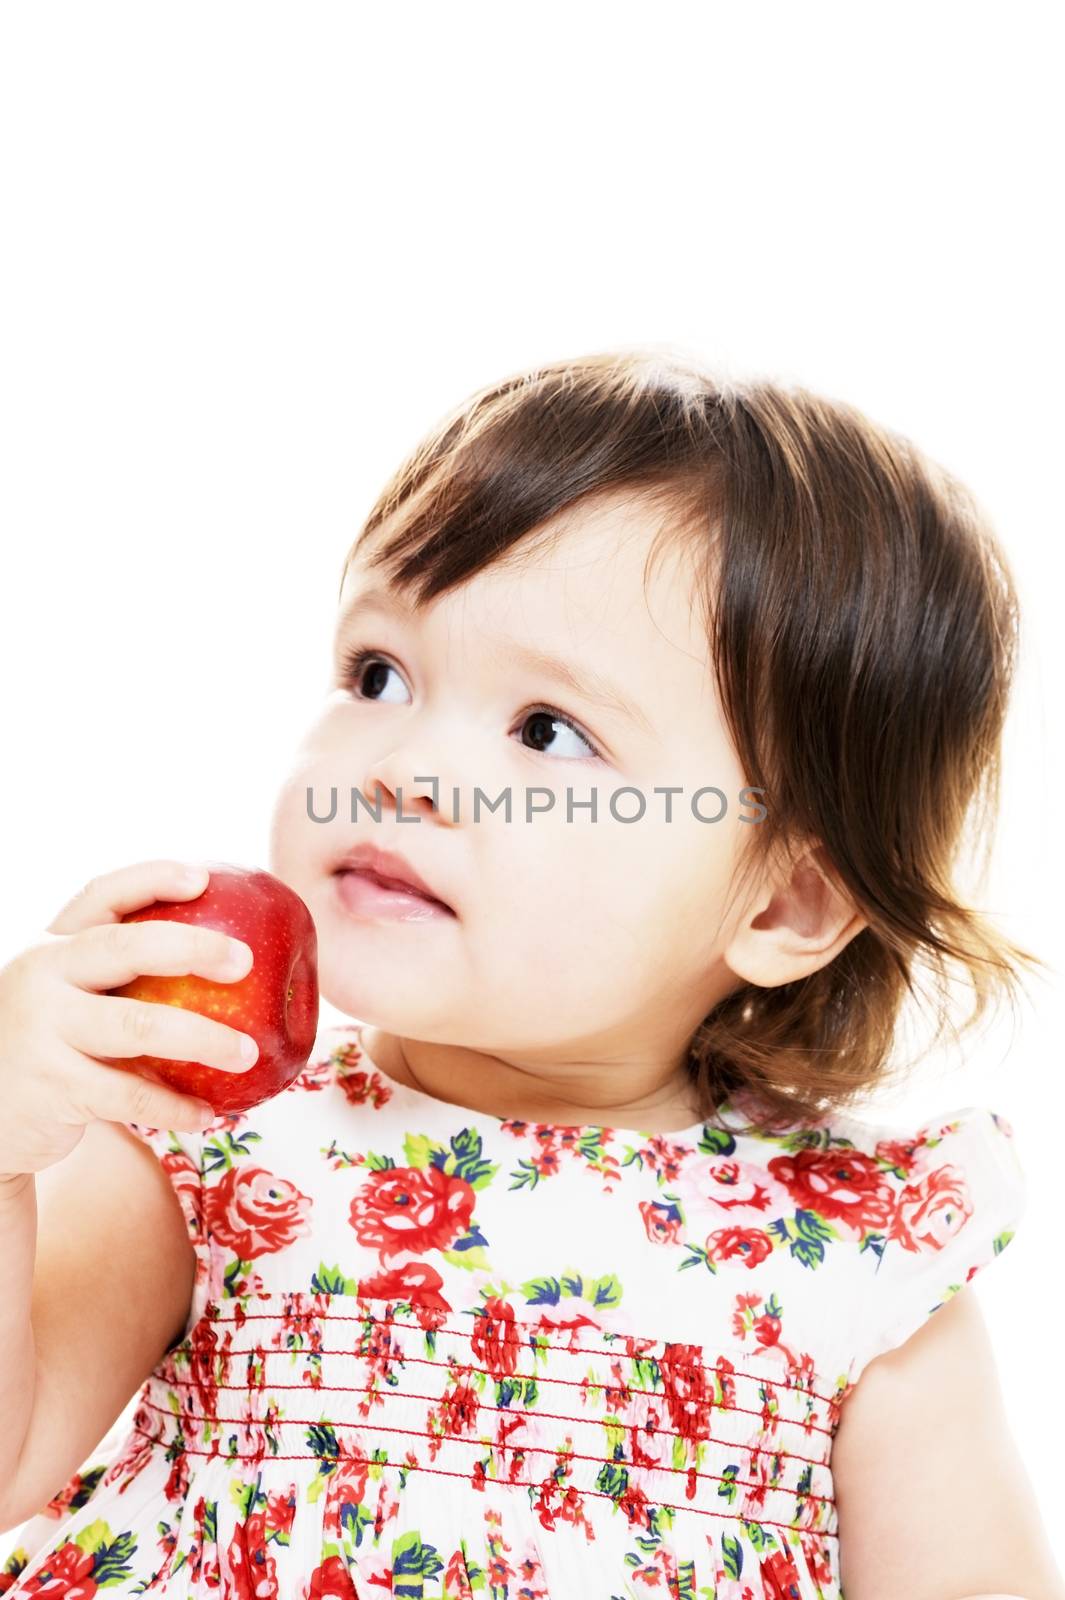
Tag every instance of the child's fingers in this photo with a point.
(110, 1094)
(108, 897)
(110, 954)
(101, 1025)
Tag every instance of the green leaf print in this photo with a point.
(470, 1239)
(542, 1291)
(613, 1480)
(111, 1553)
(113, 1563)
(356, 1519)
(322, 1442)
(606, 1291)
(805, 1139)
(616, 1434)
(419, 1150)
(234, 1273)
(16, 1562)
(732, 1555)
(93, 1537)
(465, 1160)
(646, 1372)
(698, 1258)
(760, 1539)
(527, 1176)
(686, 1581)
(475, 1259)
(807, 1233)
(525, 1391)
(716, 1142)
(223, 1150)
(727, 1487)
(873, 1242)
(377, 1163)
(330, 1280)
(412, 1563)
(248, 1497)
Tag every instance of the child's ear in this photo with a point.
(795, 923)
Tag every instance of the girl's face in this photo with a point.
(576, 938)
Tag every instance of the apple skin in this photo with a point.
(277, 1003)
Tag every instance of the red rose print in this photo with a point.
(62, 1502)
(177, 1483)
(203, 1364)
(496, 1341)
(634, 1503)
(281, 1509)
(364, 1088)
(252, 1571)
(898, 1153)
(331, 1581)
(314, 1076)
(254, 1212)
(932, 1211)
(780, 1576)
(661, 1222)
(817, 1557)
(457, 1578)
(840, 1185)
(766, 1330)
(408, 1208)
(749, 1245)
(70, 1575)
(184, 1174)
(347, 1485)
(415, 1281)
(687, 1389)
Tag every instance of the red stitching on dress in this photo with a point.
(521, 1449)
(532, 1377)
(516, 1483)
(467, 1333)
(505, 1411)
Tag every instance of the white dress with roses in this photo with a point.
(440, 1354)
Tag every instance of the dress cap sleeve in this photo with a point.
(962, 1192)
(195, 1163)
(181, 1154)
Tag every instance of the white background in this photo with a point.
(251, 253)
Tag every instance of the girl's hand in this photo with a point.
(55, 1021)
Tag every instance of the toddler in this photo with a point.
(661, 711)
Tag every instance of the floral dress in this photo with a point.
(439, 1354)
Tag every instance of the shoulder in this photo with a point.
(946, 1196)
(924, 1444)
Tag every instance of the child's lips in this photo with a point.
(374, 898)
(390, 868)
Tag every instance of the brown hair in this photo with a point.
(863, 629)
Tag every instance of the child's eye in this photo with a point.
(367, 671)
(370, 682)
(542, 718)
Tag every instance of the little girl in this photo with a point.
(661, 711)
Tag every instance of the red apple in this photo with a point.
(277, 1003)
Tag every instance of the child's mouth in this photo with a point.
(369, 896)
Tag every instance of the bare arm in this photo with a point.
(933, 1499)
(83, 1328)
(95, 1262)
